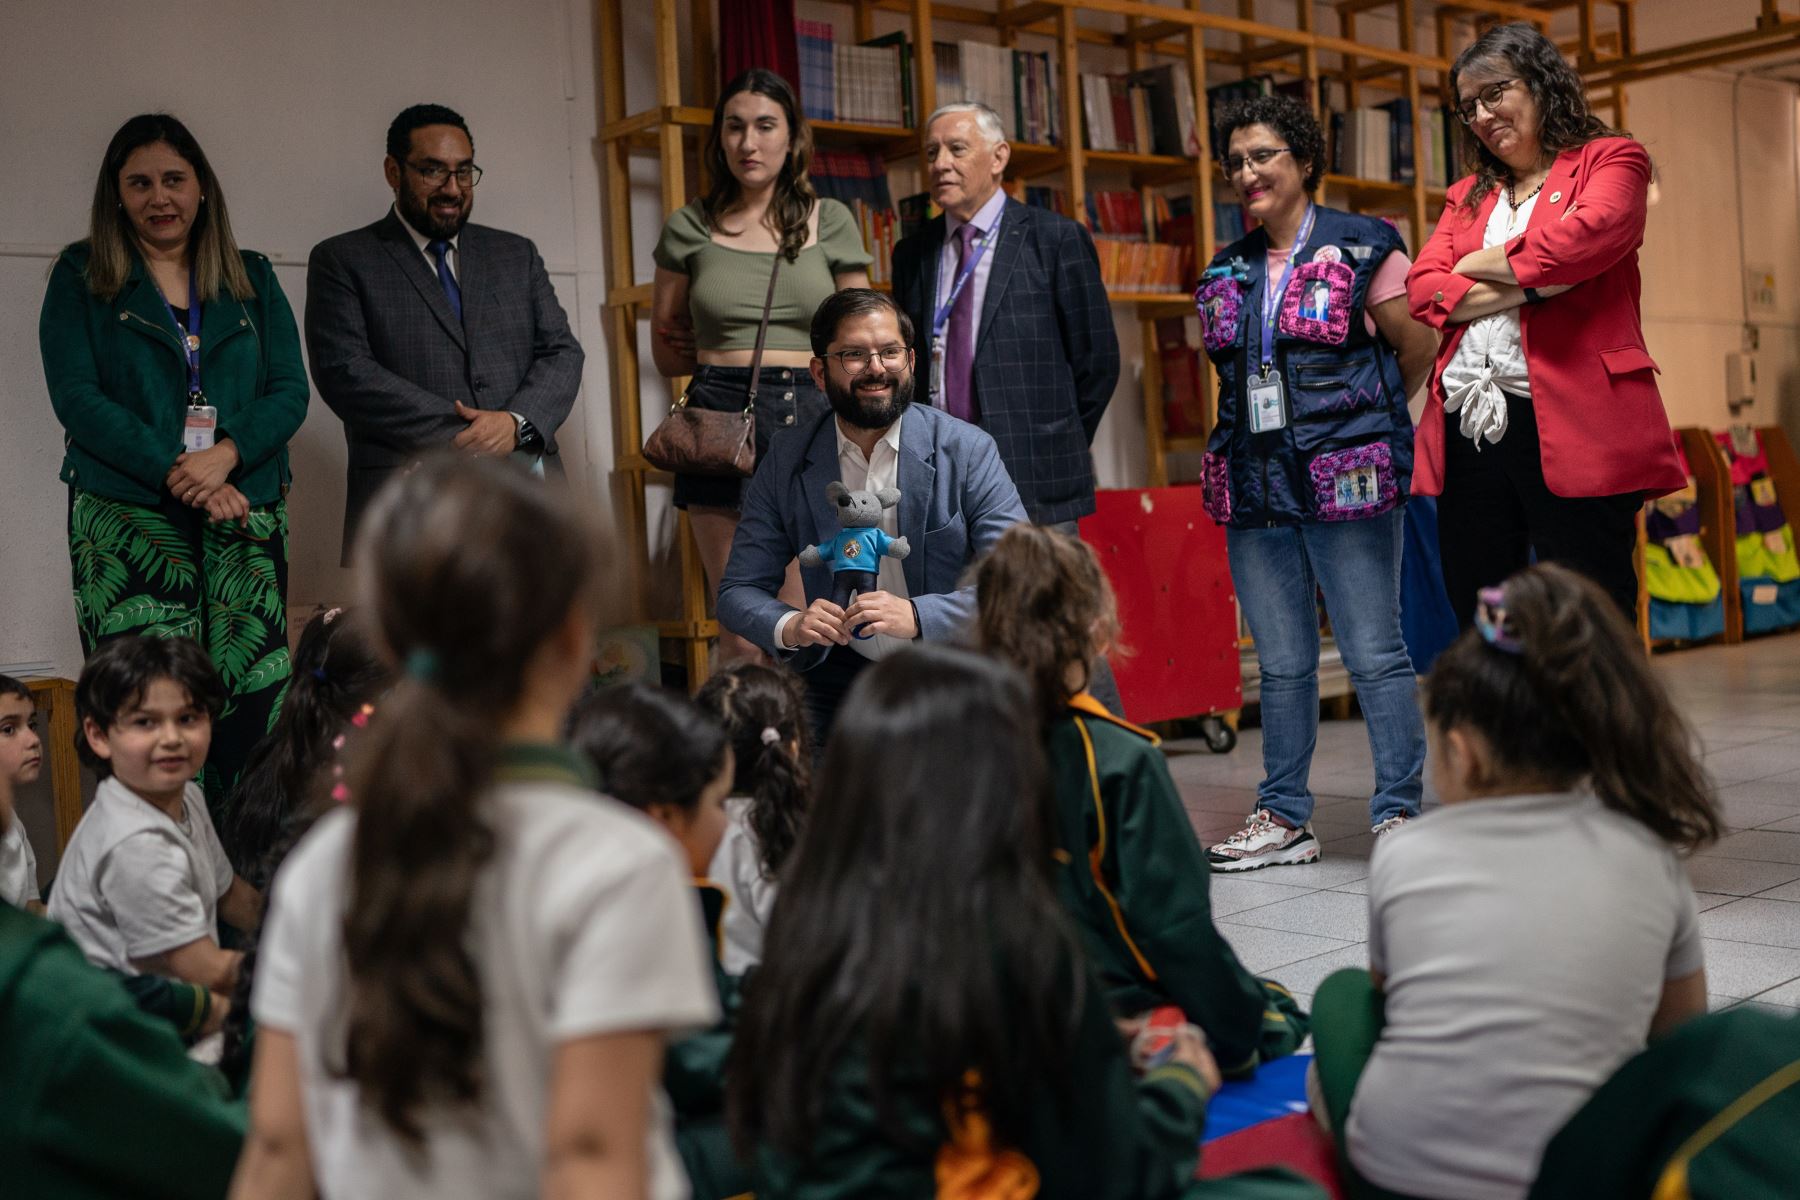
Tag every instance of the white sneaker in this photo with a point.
(1388, 826)
(1264, 842)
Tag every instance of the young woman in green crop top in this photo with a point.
(712, 272)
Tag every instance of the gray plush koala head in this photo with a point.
(860, 510)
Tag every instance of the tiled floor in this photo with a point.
(1301, 923)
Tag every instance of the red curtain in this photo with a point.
(758, 33)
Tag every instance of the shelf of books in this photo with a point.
(1107, 106)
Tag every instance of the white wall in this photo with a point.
(292, 102)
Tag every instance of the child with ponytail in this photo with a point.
(1528, 937)
(1133, 875)
(469, 970)
(764, 714)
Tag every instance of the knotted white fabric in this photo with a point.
(1490, 359)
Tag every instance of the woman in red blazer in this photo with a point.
(1532, 276)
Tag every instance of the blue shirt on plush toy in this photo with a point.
(854, 554)
(855, 549)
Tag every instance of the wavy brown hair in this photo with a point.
(747, 699)
(1564, 119)
(466, 565)
(112, 242)
(1576, 700)
(1044, 604)
(790, 208)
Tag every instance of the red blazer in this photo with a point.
(1601, 425)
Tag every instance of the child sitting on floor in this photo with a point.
(336, 672)
(764, 714)
(144, 881)
(21, 761)
(1132, 874)
(1526, 938)
(662, 754)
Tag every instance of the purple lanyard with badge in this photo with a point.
(1268, 398)
(941, 318)
(202, 418)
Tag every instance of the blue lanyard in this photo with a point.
(1271, 307)
(968, 272)
(190, 338)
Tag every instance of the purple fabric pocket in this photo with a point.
(1220, 303)
(1316, 306)
(1355, 483)
(1215, 486)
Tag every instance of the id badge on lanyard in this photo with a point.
(201, 423)
(201, 426)
(1267, 395)
(1268, 402)
(941, 320)
(937, 368)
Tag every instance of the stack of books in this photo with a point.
(860, 182)
(868, 84)
(1145, 112)
(1019, 85)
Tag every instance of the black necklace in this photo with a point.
(1512, 200)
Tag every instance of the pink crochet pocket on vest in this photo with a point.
(1215, 486)
(1220, 303)
(1316, 306)
(1355, 483)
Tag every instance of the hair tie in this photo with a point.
(1490, 619)
(423, 665)
(770, 735)
(330, 615)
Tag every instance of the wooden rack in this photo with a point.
(1147, 32)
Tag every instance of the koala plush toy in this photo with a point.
(854, 555)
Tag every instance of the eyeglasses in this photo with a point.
(1488, 97)
(1256, 158)
(855, 361)
(467, 175)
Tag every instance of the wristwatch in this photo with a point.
(529, 439)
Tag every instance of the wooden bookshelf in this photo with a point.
(1146, 32)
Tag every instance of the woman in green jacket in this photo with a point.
(1132, 874)
(174, 366)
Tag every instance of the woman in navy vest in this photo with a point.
(1306, 322)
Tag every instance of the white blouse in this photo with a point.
(1490, 359)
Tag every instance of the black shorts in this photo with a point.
(785, 398)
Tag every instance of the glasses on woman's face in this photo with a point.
(467, 175)
(856, 360)
(1256, 158)
(1488, 97)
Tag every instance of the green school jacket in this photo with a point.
(694, 1077)
(117, 373)
(1118, 1138)
(1135, 880)
(101, 1101)
(1711, 1112)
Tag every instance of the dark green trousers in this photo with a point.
(1348, 1015)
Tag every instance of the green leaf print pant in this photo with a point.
(167, 572)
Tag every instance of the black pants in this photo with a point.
(826, 686)
(1496, 510)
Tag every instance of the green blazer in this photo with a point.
(1134, 878)
(101, 1099)
(118, 380)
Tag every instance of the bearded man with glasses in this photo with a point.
(425, 331)
(956, 499)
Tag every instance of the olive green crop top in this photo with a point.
(726, 286)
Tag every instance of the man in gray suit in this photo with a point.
(425, 331)
(956, 499)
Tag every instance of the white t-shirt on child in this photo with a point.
(133, 883)
(1525, 941)
(583, 923)
(18, 866)
(737, 869)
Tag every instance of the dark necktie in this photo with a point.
(959, 349)
(452, 292)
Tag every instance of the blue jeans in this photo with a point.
(1356, 564)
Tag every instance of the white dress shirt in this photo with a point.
(986, 219)
(454, 257)
(871, 474)
(1490, 359)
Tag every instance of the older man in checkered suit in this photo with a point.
(1008, 303)
(425, 331)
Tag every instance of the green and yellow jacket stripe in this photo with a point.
(1136, 881)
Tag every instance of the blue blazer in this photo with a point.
(1046, 350)
(955, 501)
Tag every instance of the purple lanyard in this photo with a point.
(190, 338)
(967, 273)
(1271, 307)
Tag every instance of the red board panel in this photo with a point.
(1166, 560)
